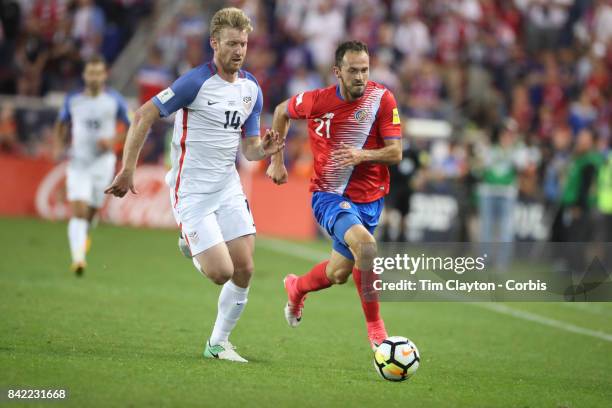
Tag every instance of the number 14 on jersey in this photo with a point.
(234, 123)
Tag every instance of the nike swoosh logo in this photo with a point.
(215, 355)
(212, 103)
(408, 353)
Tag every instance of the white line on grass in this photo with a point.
(293, 249)
(594, 308)
(503, 309)
(314, 255)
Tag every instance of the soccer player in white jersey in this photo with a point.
(218, 107)
(90, 115)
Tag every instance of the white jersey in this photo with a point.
(214, 115)
(92, 118)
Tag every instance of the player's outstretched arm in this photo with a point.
(59, 139)
(143, 119)
(389, 155)
(280, 123)
(257, 148)
(61, 130)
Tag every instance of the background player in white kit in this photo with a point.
(90, 115)
(218, 107)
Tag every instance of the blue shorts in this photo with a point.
(337, 214)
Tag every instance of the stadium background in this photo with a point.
(462, 71)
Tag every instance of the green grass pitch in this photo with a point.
(131, 333)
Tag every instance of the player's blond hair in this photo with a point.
(229, 17)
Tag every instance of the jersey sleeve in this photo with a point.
(388, 118)
(182, 92)
(122, 109)
(64, 113)
(301, 105)
(252, 125)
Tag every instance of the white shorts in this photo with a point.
(209, 219)
(86, 182)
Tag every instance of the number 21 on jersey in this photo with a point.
(324, 121)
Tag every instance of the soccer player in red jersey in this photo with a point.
(354, 130)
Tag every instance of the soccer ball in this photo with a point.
(396, 359)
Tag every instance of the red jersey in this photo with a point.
(362, 124)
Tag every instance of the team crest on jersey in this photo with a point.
(345, 205)
(247, 100)
(361, 115)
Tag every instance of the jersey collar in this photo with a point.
(213, 70)
(212, 67)
(339, 94)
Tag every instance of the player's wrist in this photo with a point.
(261, 153)
(277, 159)
(362, 156)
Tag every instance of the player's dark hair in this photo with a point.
(95, 59)
(353, 46)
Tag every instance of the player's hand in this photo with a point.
(105, 144)
(271, 142)
(278, 173)
(348, 156)
(123, 182)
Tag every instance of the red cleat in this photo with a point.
(295, 302)
(376, 333)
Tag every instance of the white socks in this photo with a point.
(232, 301)
(77, 236)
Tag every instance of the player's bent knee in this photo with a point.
(339, 277)
(365, 251)
(220, 278)
(246, 269)
(220, 275)
(340, 280)
(361, 243)
(244, 272)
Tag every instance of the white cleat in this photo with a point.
(291, 318)
(183, 247)
(223, 351)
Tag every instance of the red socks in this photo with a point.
(314, 280)
(369, 300)
(317, 279)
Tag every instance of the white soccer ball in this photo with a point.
(396, 359)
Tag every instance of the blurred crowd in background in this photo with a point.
(525, 86)
(43, 42)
